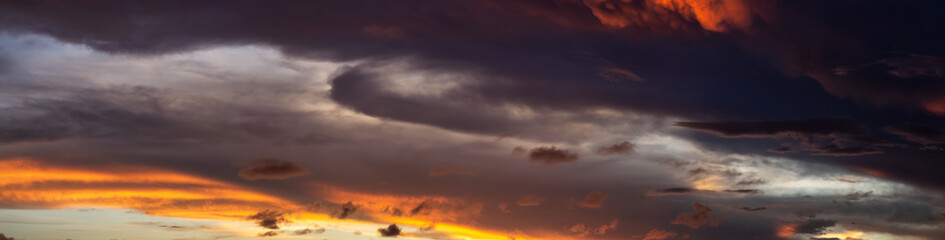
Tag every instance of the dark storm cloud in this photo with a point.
(522, 53)
(269, 219)
(805, 127)
(814, 226)
(620, 148)
(48, 112)
(826, 136)
(390, 231)
(132, 111)
(551, 155)
(921, 134)
(272, 169)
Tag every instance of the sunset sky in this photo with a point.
(472, 119)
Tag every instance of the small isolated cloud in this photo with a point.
(269, 234)
(657, 234)
(518, 151)
(390, 231)
(551, 155)
(303, 231)
(620, 148)
(272, 169)
(697, 218)
(269, 219)
(814, 226)
(530, 201)
(751, 209)
(446, 171)
(611, 226)
(347, 209)
(593, 200)
(504, 207)
(583, 230)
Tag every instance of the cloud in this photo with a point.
(716, 16)
(814, 226)
(504, 208)
(268, 168)
(583, 230)
(656, 234)
(593, 200)
(693, 191)
(390, 231)
(698, 218)
(921, 134)
(153, 191)
(424, 206)
(551, 155)
(518, 151)
(347, 209)
(823, 136)
(751, 209)
(620, 148)
(744, 191)
(530, 201)
(268, 234)
(269, 219)
(303, 231)
(4, 237)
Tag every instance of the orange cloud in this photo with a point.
(712, 15)
(657, 234)
(530, 201)
(449, 215)
(27, 183)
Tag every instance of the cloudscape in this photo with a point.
(460, 119)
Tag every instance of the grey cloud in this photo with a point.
(620, 148)
(272, 169)
(814, 226)
(347, 209)
(921, 134)
(269, 219)
(752, 209)
(693, 191)
(390, 231)
(303, 231)
(825, 136)
(551, 155)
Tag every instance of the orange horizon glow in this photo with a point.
(33, 184)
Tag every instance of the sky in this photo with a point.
(457, 119)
